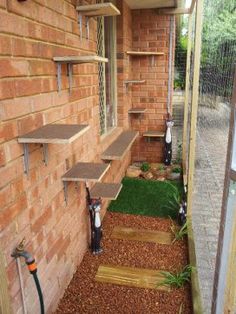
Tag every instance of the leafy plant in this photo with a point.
(179, 83)
(177, 170)
(179, 279)
(174, 202)
(179, 153)
(179, 233)
(145, 166)
(161, 168)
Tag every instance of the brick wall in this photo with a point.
(31, 34)
(144, 30)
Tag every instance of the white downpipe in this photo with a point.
(21, 285)
(170, 63)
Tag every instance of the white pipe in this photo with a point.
(21, 285)
(170, 64)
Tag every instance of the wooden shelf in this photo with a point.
(50, 134)
(137, 110)
(134, 82)
(72, 60)
(86, 171)
(106, 190)
(80, 59)
(154, 134)
(144, 53)
(100, 9)
(54, 133)
(120, 146)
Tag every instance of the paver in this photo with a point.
(212, 134)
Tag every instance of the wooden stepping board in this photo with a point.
(118, 149)
(86, 171)
(143, 235)
(130, 276)
(108, 191)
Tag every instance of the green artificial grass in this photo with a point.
(149, 198)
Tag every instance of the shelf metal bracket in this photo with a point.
(65, 187)
(26, 158)
(45, 153)
(87, 27)
(152, 61)
(70, 73)
(80, 21)
(59, 76)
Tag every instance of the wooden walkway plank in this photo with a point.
(130, 276)
(108, 191)
(143, 235)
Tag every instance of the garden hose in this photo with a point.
(32, 267)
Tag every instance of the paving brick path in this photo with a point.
(212, 136)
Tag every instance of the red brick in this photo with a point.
(25, 87)
(16, 107)
(8, 131)
(3, 4)
(9, 68)
(42, 220)
(6, 43)
(9, 214)
(54, 249)
(7, 89)
(42, 68)
(5, 196)
(10, 172)
(13, 24)
(64, 245)
(17, 187)
(2, 156)
(30, 123)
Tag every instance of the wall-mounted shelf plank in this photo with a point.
(108, 191)
(95, 10)
(54, 133)
(134, 82)
(137, 110)
(144, 53)
(154, 134)
(80, 59)
(50, 134)
(99, 9)
(120, 146)
(86, 171)
(72, 60)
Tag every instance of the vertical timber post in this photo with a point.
(4, 294)
(186, 99)
(194, 109)
(197, 303)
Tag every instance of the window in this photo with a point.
(107, 75)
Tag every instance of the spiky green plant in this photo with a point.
(177, 280)
(179, 233)
(173, 203)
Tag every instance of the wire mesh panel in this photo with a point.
(218, 56)
(101, 73)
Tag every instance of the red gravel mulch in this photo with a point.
(84, 295)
